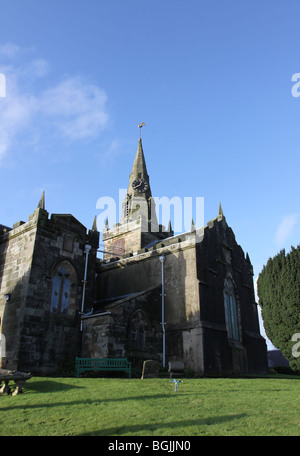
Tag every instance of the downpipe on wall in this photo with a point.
(162, 259)
(84, 281)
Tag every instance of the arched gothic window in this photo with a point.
(231, 311)
(62, 279)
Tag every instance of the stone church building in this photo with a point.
(154, 295)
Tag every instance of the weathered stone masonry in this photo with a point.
(41, 335)
(197, 267)
(210, 310)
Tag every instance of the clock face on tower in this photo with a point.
(140, 185)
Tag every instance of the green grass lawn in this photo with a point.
(134, 407)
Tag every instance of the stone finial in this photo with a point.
(106, 224)
(41, 204)
(94, 227)
(193, 228)
(220, 210)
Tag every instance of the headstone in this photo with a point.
(176, 368)
(150, 369)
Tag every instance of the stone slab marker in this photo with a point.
(150, 369)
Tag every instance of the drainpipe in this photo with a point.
(162, 260)
(87, 251)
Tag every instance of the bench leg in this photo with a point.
(19, 386)
(5, 389)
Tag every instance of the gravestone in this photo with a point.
(150, 369)
(176, 368)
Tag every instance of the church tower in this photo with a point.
(139, 202)
(138, 226)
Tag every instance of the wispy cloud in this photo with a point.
(76, 108)
(285, 229)
(73, 108)
(110, 151)
(16, 112)
(9, 49)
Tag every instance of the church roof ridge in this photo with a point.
(121, 299)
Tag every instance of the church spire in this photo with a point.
(138, 226)
(138, 201)
(139, 172)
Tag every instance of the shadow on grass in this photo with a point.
(86, 402)
(153, 427)
(49, 386)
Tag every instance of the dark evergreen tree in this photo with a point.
(278, 288)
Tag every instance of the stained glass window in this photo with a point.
(60, 291)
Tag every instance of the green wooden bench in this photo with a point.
(102, 364)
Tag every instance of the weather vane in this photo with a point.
(140, 127)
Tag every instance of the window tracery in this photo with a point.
(62, 278)
(231, 311)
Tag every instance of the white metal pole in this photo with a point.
(87, 251)
(162, 260)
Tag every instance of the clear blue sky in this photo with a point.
(212, 80)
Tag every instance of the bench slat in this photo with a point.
(83, 364)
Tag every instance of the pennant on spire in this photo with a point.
(140, 126)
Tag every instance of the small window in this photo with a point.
(68, 244)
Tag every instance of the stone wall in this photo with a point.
(219, 259)
(42, 266)
(138, 272)
(41, 324)
(196, 268)
(16, 253)
(130, 237)
(129, 327)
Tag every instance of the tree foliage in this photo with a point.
(278, 288)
